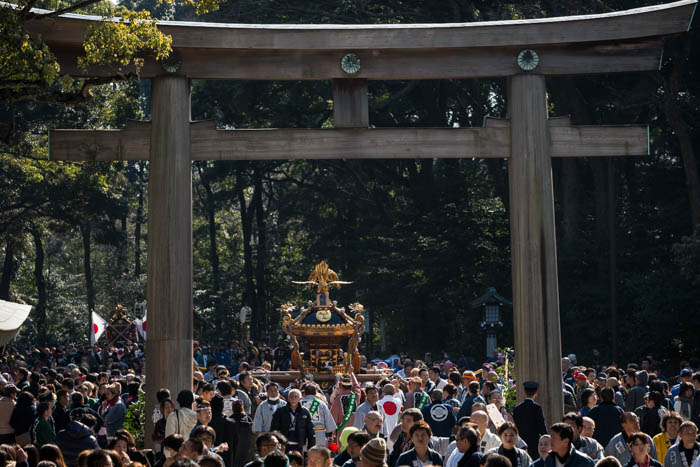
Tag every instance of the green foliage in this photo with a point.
(25, 60)
(135, 419)
(686, 255)
(117, 41)
(510, 392)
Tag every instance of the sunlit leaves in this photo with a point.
(119, 41)
(25, 61)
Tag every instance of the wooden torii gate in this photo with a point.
(524, 51)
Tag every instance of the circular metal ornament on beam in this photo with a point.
(172, 64)
(350, 64)
(528, 60)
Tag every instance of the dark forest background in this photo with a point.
(420, 239)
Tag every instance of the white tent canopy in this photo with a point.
(12, 315)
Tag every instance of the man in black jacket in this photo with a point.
(695, 410)
(225, 430)
(61, 416)
(529, 418)
(606, 416)
(294, 422)
(74, 439)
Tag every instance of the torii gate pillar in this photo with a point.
(533, 244)
(169, 343)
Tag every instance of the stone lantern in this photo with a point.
(245, 316)
(491, 304)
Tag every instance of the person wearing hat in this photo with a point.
(344, 400)
(344, 455)
(467, 377)
(373, 454)
(529, 418)
(685, 377)
(581, 385)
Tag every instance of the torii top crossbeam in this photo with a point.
(623, 41)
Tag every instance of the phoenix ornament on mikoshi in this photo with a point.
(322, 277)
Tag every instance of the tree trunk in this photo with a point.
(85, 230)
(569, 201)
(8, 269)
(213, 248)
(568, 100)
(137, 230)
(246, 226)
(600, 183)
(121, 249)
(612, 256)
(260, 305)
(40, 307)
(672, 109)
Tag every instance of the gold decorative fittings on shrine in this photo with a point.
(324, 327)
(350, 64)
(528, 59)
(172, 64)
(323, 315)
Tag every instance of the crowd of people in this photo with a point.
(68, 406)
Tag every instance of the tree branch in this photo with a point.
(7, 138)
(26, 11)
(20, 83)
(62, 11)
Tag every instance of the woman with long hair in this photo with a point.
(51, 452)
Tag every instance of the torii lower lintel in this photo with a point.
(208, 143)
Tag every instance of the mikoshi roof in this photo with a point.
(12, 315)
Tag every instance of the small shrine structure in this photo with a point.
(324, 327)
(120, 330)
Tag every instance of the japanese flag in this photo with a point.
(98, 327)
(390, 408)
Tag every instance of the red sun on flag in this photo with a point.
(389, 408)
(95, 328)
(144, 327)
